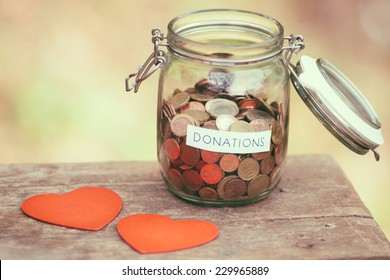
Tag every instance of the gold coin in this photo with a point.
(241, 126)
(198, 115)
(179, 124)
(224, 121)
(180, 99)
(248, 169)
(258, 184)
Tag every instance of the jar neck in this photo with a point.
(225, 36)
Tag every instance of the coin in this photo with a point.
(224, 121)
(211, 173)
(247, 104)
(261, 155)
(168, 110)
(188, 154)
(241, 126)
(175, 178)
(199, 165)
(277, 133)
(267, 165)
(262, 105)
(179, 124)
(221, 186)
(248, 169)
(200, 116)
(258, 184)
(258, 114)
(221, 106)
(275, 175)
(172, 149)
(260, 125)
(208, 193)
(193, 105)
(192, 180)
(235, 189)
(180, 99)
(229, 162)
(279, 153)
(209, 156)
(165, 128)
(202, 85)
(201, 97)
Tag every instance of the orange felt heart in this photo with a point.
(88, 208)
(152, 233)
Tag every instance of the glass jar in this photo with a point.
(223, 104)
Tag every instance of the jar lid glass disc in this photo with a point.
(337, 103)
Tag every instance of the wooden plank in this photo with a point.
(314, 214)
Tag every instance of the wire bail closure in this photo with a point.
(157, 58)
(295, 45)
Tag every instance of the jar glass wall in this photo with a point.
(223, 107)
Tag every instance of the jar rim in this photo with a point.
(271, 44)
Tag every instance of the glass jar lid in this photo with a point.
(338, 104)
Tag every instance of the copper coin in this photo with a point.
(209, 156)
(192, 180)
(199, 165)
(208, 193)
(277, 133)
(172, 149)
(221, 185)
(241, 126)
(247, 104)
(260, 156)
(262, 105)
(235, 189)
(202, 85)
(260, 125)
(258, 184)
(275, 175)
(211, 173)
(179, 124)
(165, 128)
(180, 99)
(279, 153)
(248, 169)
(267, 164)
(168, 110)
(193, 105)
(175, 178)
(188, 154)
(183, 166)
(229, 162)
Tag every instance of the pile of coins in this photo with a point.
(212, 175)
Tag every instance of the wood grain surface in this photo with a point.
(313, 214)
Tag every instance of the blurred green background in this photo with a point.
(63, 64)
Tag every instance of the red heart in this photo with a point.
(152, 233)
(89, 208)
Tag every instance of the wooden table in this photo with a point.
(313, 214)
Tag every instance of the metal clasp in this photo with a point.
(157, 58)
(295, 45)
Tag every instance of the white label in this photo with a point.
(228, 141)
